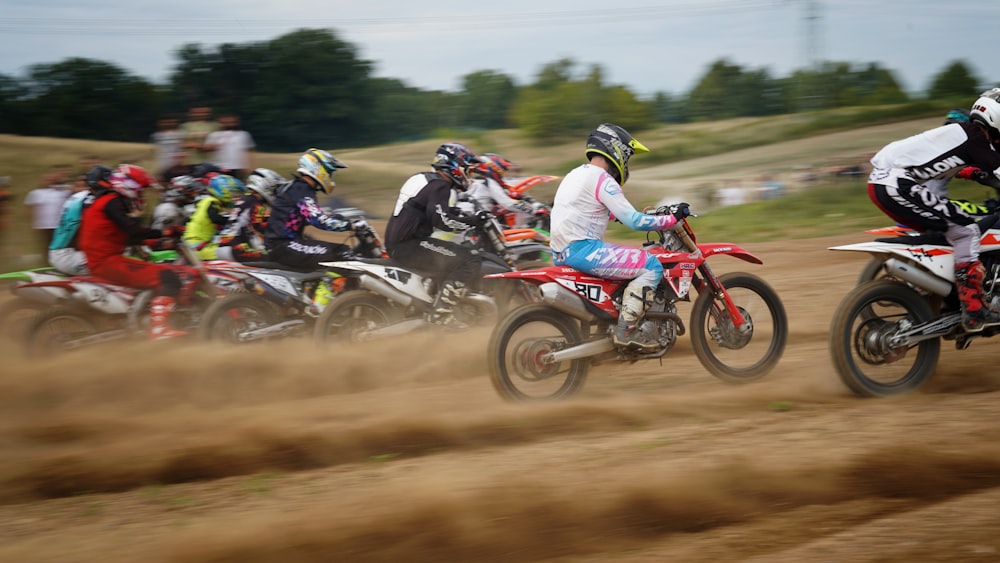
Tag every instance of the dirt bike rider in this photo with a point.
(586, 200)
(295, 207)
(176, 203)
(898, 185)
(489, 191)
(425, 204)
(252, 210)
(64, 254)
(109, 225)
(212, 213)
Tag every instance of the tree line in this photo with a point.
(309, 87)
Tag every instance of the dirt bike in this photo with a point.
(885, 337)
(91, 310)
(279, 301)
(545, 350)
(30, 297)
(541, 220)
(874, 268)
(385, 299)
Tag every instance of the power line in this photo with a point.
(180, 26)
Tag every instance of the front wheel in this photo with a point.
(352, 314)
(231, 318)
(865, 355)
(739, 354)
(517, 348)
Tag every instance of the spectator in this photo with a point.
(46, 203)
(232, 146)
(195, 130)
(167, 145)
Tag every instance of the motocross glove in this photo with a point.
(986, 178)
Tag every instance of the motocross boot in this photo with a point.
(627, 334)
(159, 319)
(976, 315)
(444, 306)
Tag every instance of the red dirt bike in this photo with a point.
(544, 350)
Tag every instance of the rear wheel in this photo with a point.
(352, 314)
(868, 359)
(231, 318)
(57, 330)
(517, 350)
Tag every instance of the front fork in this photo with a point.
(719, 294)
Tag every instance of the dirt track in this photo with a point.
(404, 452)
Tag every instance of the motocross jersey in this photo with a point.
(106, 229)
(934, 156)
(69, 222)
(487, 193)
(584, 203)
(206, 221)
(294, 208)
(249, 222)
(424, 204)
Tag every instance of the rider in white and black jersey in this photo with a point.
(906, 173)
(425, 204)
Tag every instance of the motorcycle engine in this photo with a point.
(661, 330)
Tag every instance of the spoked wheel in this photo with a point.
(739, 354)
(351, 315)
(56, 331)
(231, 318)
(867, 358)
(16, 316)
(517, 352)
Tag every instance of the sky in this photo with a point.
(649, 46)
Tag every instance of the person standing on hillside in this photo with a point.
(46, 203)
(906, 173)
(196, 129)
(167, 144)
(586, 200)
(232, 147)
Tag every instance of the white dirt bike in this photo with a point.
(383, 298)
(885, 337)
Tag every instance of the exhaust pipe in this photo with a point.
(911, 274)
(565, 301)
(585, 350)
(382, 288)
(485, 304)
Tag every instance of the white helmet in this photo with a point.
(986, 110)
(265, 182)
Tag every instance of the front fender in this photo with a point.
(736, 251)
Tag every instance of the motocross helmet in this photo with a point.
(265, 182)
(957, 115)
(225, 188)
(203, 169)
(616, 145)
(189, 186)
(98, 178)
(986, 111)
(129, 180)
(492, 166)
(320, 165)
(454, 160)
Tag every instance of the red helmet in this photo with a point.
(129, 180)
(493, 166)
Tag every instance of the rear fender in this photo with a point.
(937, 259)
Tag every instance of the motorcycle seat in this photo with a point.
(279, 266)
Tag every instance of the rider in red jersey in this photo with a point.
(109, 226)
